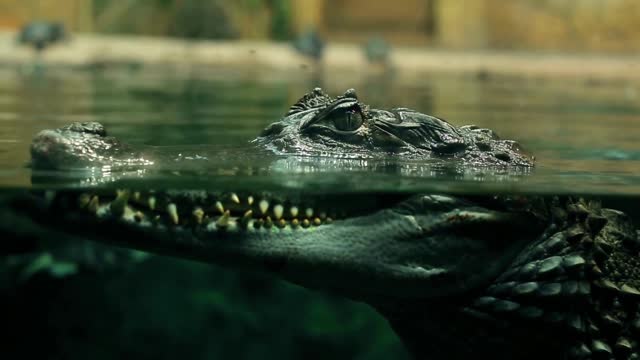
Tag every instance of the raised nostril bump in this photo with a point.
(351, 93)
(90, 127)
(273, 129)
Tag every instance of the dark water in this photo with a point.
(583, 132)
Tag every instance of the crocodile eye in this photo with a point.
(349, 120)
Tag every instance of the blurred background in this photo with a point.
(589, 25)
(560, 76)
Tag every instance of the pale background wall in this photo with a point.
(567, 25)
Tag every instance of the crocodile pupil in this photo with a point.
(350, 120)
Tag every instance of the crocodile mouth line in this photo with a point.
(216, 211)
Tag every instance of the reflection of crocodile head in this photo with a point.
(344, 126)
(458, 277)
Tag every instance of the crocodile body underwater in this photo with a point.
(457, 277)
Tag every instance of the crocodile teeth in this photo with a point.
(224, 220)
(219, 207)
(628, 290)
(278, 210)
(138, 216)
(173, 213)
(118, 205)
(246, 218)
(595, 269)
(600, 347)
(228, 210)
(152, 202)
(606, 284)
(623, 346)
(198, 215)
(94, 204)
(264, 206)
(83, 200)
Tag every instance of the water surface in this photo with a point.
(583, 132)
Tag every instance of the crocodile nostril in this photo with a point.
(483, 146)
(501, 155)
(273, 129)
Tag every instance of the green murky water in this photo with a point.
(584, 134)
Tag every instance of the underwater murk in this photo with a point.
(66, 298)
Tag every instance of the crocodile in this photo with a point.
(501, 276)
(318, 125)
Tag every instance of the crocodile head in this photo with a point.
(316, 125)
(457, 276)
(345, 127)
(81, 145)
(401, 244)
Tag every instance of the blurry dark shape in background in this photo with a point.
(310, 44)
(196, 19)
(280, 19)
(41, 34)
(377, 50)
(586, 26)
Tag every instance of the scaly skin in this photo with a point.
(316, 125)
(500, 277)
(319, 124)
(81, 145)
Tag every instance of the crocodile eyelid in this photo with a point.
(343, 103)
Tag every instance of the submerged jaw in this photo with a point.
(417, 246)
(283, 234)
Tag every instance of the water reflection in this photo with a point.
(247, 168)
(197, 127)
